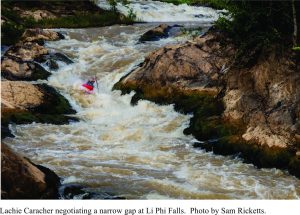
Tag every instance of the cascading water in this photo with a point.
(133, 151)
(155, 11)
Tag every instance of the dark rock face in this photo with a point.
(21, 179)
(155, 34)
(253, 112)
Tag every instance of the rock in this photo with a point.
(253, 111)
(76, 191)
(37, 14)
(21, 179)
(21, 95)
(52, 64)
(15, 69)
(61, 57)
(54, 57)
(155, 34)
(33, 97)
(28, 51)
(36, 34)
(267, 101)
(23, 102)
(191, 66)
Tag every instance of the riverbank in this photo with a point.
(250, 112)
(17, 16)
(23, 102)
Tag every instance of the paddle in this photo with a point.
(97, 83)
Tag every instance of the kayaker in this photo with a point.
(88, 87)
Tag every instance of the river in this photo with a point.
(135, 152)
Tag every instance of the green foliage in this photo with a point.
(257, 25)
(297, 48)
(254, 19)
(130, 16)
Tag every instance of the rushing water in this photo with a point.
(155, 11)
(133, 151)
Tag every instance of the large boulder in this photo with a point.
(28, 51)
(16, 69)
(156, 33)
(21, 95)
(21, 179)
(23, 102)
(33, 97)
(192, 66)
(37, 34)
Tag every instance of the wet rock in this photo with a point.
(76, 191)
(155, 34)
(62, 57)
(21, 179)
(15, 69)
(54, 57)
(37, 34)
(23, 102)
(52, 64)
(28, 51)
(199, 16)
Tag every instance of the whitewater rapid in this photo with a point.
(155, 11)
(136, 152)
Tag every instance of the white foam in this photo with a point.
(155, 11)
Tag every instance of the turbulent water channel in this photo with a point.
(136, 152)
